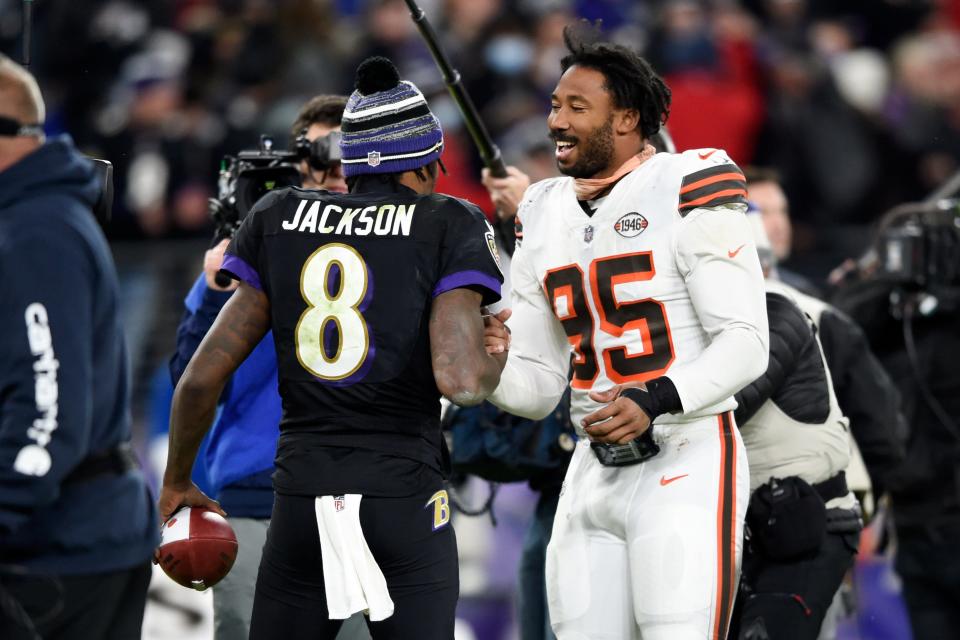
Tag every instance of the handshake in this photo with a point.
(496, 334)
(620, 420)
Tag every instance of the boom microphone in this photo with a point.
(451, 77)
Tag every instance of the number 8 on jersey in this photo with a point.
(332, 338)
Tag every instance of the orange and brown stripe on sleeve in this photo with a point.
(722, 184)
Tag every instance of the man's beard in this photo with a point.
(596, 152)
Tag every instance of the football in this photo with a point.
(197, 547)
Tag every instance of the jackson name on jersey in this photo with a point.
(617, 281)
(380, 220)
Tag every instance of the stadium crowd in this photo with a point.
(801, 86)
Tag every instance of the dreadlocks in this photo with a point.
(629, 78)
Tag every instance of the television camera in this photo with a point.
(249, 175)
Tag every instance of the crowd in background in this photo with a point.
(838, 96)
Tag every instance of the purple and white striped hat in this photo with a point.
(387, 126)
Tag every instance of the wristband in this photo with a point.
(658, 398)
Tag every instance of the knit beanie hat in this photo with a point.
(387, 126)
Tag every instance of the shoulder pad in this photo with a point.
(710, 178)
(270, 198)
(535, 192)
(459, 206)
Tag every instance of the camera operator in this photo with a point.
(242, 443)
(803, 522)
(867, 396)
(77, 522)
(907, 303)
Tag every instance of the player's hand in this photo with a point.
(172, 497)
(507, 192)
(496, 335)
(621, 421)
(212, 260)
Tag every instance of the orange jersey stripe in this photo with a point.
(712, 196)
(732, 522)
(718, 607)
(726, 545)
(717, 178)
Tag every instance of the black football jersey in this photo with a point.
(350, 279)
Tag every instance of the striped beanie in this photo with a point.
(387, 126)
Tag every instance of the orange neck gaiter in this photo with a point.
(590, 188)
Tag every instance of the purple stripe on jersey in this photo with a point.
(238, 269)
(465, 279)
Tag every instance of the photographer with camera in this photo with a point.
(907, 299)
(77, 522)
(242, 442)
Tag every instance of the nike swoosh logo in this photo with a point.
(733, 254)
(704, 156)
(664, 480)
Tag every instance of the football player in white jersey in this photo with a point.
(640, 271)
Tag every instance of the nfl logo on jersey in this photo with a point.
(338, 503)
(373, 158)
(588, 233)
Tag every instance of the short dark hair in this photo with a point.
(323, 109)
(629, 78)
(754, 174)
(391, 179)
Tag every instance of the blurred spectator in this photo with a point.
(924, 108)
(769, 199)
(707, 59)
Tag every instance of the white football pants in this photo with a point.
(651, 551)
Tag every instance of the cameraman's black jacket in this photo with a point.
(795, 379)
(64, 402)
(864, 391)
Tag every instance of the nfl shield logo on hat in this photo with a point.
(373, 158)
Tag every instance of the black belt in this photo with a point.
(623, 455)
(115, 461)
(835, 487)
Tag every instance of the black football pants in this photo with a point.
(106, 606)
(418, 562)
(787, 600)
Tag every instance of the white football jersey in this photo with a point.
(662, 279)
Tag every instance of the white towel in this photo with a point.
(352, 578)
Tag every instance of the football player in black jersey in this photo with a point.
(374, 300)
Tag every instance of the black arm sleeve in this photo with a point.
(790, 336)
(866, 395)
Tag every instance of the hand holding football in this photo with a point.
(197, 547)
